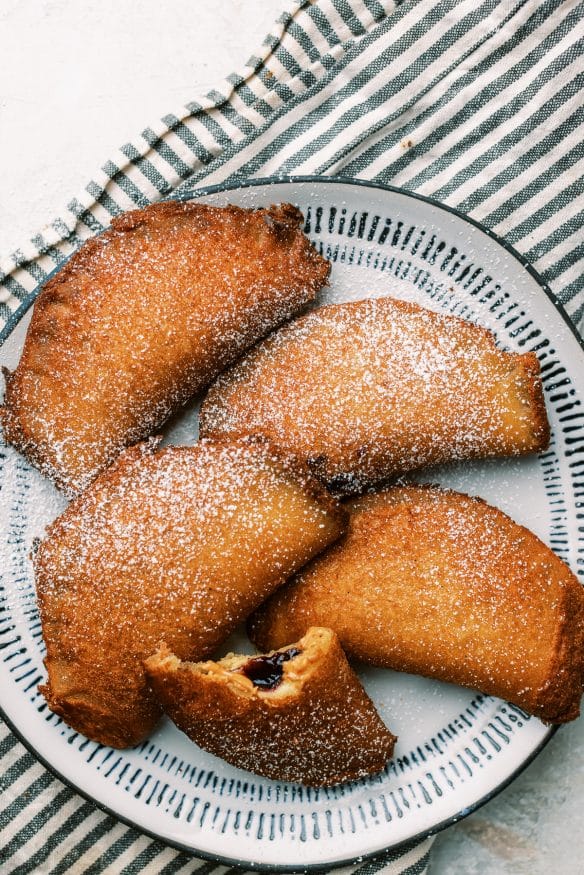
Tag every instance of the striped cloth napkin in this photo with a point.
(477, 103)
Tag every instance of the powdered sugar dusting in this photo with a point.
(376, 388)
(440, 584)
(144, 317)
(180, 545)
(318, 727)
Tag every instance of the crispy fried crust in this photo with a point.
(318, 727)
(180, 544)
(368, 390)
(142, 318)
(436, 583)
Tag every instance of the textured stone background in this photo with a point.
(78, 79)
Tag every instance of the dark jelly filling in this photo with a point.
(267, 671)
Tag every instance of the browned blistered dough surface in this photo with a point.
(371, 389)
(177, 545)
(318, 727)
(142, 318)
(439, 584)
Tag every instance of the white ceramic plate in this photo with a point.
(456, 748)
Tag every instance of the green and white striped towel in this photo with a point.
(477, 103)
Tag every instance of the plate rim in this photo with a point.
(203, 191)
(272, 867)
(196, 193)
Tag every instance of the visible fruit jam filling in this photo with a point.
(267, 671)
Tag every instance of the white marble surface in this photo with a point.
(81, 77)
(78, 79)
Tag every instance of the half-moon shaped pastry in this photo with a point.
(439, 584)
(297, 714)
(180, 544)
(144, 317)
(371, 389)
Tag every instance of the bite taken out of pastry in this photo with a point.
(180, 544)
(144, 317)
(298, 714)
(436, 583)
(368, 390)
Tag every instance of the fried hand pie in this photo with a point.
(436, 583)
(180, 544)
(144, 317)
(297, 714)
(371, 389)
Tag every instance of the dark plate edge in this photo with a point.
(313, 867)
(250, 865)
(15, 318)
(364, 183)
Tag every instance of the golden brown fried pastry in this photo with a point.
(297, 714)
(144, 317)
(371, 389)
(439, 584)
(180, 544)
